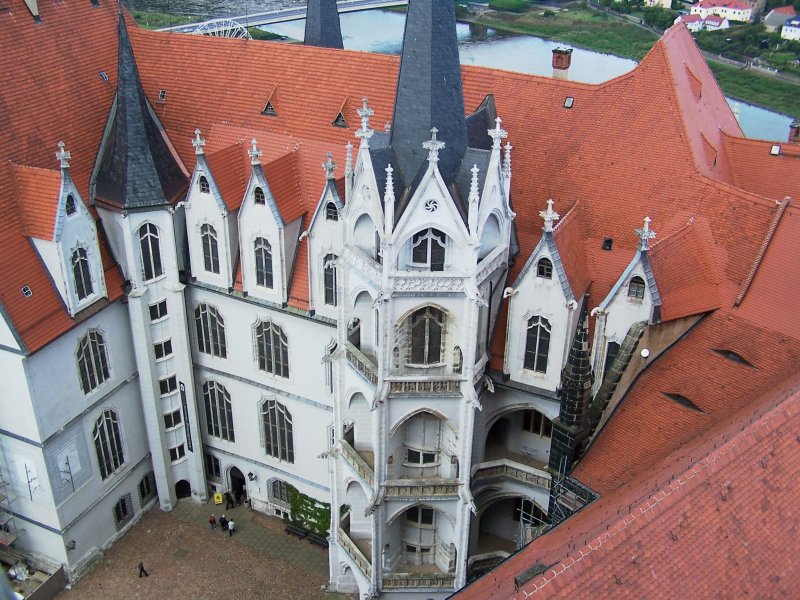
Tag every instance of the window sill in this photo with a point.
(437, 365)
(179, 461)
(154, 279)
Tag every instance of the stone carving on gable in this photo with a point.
(429, 284)
(498, 262)
(359, 260)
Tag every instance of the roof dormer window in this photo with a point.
(636, 288)
(331, 213)
(544, 268)
(339, 121)
(204, 187)
(258, 195)
(70, 205)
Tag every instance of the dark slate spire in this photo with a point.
(429, 90)
(137, 168)
(571, 428)
(322, 24)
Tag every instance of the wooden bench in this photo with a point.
(317, 539)
(295, 530)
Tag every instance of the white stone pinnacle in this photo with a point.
(645, 234)
(254, 153)
(348, 160)
(329, 166)
(507, 160)
(63, 156)
(389, 192)
(433, 146)
(550, 216)
(198, 142)
(497, 134)
(365, 112)
(474, 196)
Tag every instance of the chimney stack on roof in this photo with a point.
(562, 58)
(794, 132)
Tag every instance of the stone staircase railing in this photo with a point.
(351, 549)
(359, 464)
(361, 363)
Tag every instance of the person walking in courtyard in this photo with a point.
(142, 572)
(212, 522)
(223, 524)
(229, 503)
(231, 528)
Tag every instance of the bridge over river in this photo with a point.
(218, 26)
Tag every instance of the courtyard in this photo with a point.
(185, 559)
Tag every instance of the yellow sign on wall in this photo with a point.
(217, 498)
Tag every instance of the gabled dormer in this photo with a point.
(634, 298)
(63, 232)
(542, 307)
(325, 245)
(212, 206)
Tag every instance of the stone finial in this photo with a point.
(254, 153)
(198, 143)
(389, 191)
(645, 234)
(497, 134)
(348, 159)
(507, 160)
(329, 166)
(474, 195)
(550, 216)
(365, 112)
(433, 146)
(63, 156)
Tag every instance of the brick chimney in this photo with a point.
(794, 132)
(562, 57)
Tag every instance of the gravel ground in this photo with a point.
(188, 561)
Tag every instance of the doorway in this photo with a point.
(183, 489)
(238, 485)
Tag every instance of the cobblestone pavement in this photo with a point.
(185, 560)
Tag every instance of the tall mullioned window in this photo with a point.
(427, 336)
(92, 361)
(150, 247)
(330, 279)
(537, 344)
(210, 328)
(81, 274)
(108, 443)
(263, 256)
(428, 249)
(208, 235)
(271, 348)
(278, 432)
(219, 413)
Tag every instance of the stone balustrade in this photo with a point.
(400, 489)
(513, 470)
(351, 549)
(359, 464)
(396, 581)
(433, 387)
(361, 363)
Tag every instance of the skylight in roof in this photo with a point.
(569, 102)
(162, 95)
(734, 356)
(269, 110)
(775, 150)
(339, 121)
(26, 291)
(103, 76)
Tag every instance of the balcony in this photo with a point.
(361, 363)
(417, 489)
(450, 386)
(430, 578)
(512, 469)
(356, 553)
(359, 462)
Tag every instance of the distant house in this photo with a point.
(695, 23)
(777, 17)
(732, 10)
(791, 29)
(661, 3)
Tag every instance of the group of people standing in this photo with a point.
(225, 524)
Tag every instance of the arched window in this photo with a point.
(428, 249)
(272, 348)
(81, 273)
(458, 360)
(210, 327)
(278, 434)
(535, 422)
(208, 236)
(330, 278)
(219, 415)
(108, 443)
(331, 213)
(636, 288)
(151, 252)
(263, 254)
(258, 196)
(92, 361)
(544, 268)
(204, 187)
(537, 344)
(427, 339)
(70, 205)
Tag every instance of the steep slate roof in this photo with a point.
(707, 521)
(322, 24)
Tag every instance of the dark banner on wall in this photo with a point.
(186, 418)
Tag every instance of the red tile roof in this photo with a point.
(784, 10)
(230, 168)
(37, 193)
(734, 4)
(753, 168)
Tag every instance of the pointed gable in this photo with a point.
(137, 168)
(37, 194)
(230, 172)
(284, 182)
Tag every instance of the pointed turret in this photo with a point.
(429, 91)
(322, 24)
(137, 168)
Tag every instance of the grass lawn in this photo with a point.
(754, 88)
(155, 20)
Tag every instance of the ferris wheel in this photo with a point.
(223, 28)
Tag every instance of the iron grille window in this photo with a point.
(123, 511)
(537, 344)
(208, 235)
(151, 252)
(147, 488)
(272, 348)
(544, 268)
(331, 212)
(92, 361)
(278, 432)
(81, 274)
(535, 422)
(263, 254)
(636, 288)
(330, 279)
(70, 205)
(219, 413)
(281, 492)
(428, 249)
(204, 187)
(427, 339)
(108, 443)
(210, 328)
(213, 467)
